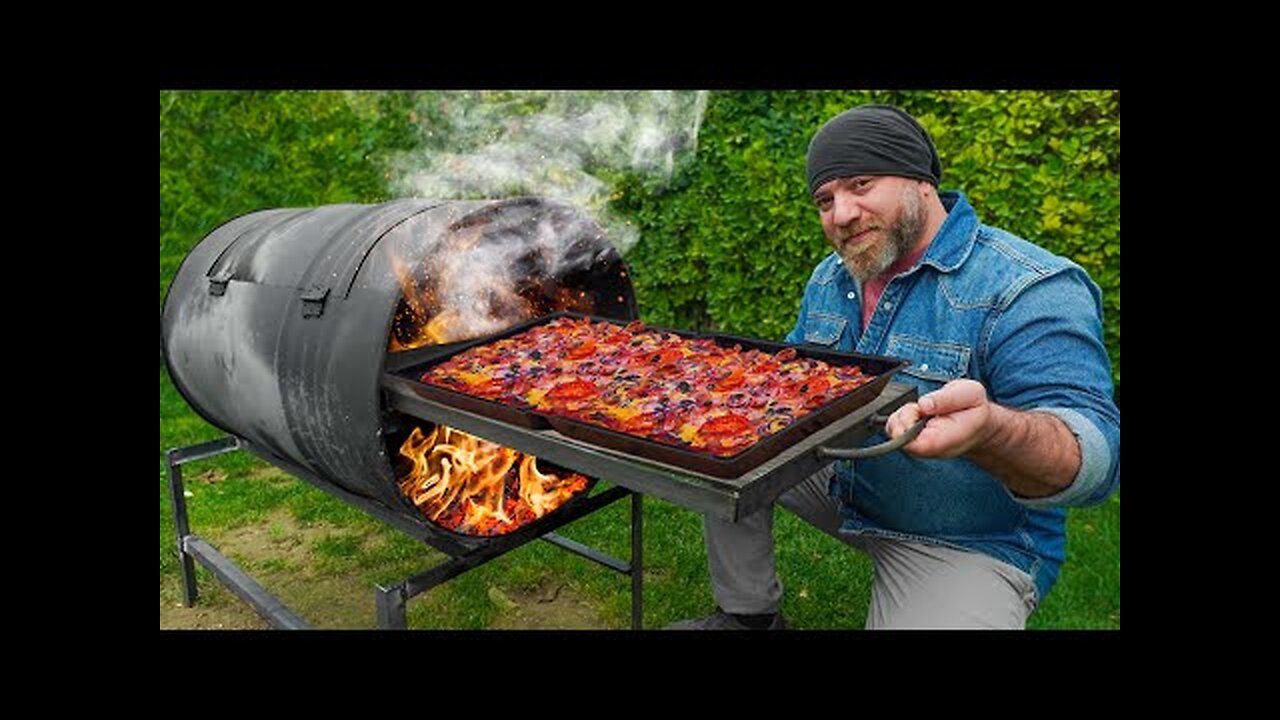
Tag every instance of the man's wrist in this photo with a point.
(1001, 430)
(1023, 451)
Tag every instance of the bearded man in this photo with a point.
(966, 528)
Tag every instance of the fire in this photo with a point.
(413, 324)
(472, 486)
(434, 308)
(457, 480)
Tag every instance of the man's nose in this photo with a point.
(846, 210)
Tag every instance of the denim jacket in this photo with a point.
(1027, 324)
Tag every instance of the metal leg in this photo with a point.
(182, 527)
(192, 548)
(637, 561)
(391, 607)
(245, 587)
(390, 602)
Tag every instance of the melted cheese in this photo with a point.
(622, 413)
(535, 396)
(688, 432)
(471, 378)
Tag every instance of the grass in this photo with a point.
(226, 153)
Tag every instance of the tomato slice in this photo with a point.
(668, 356)
(817, 386)
(572, 390)
(735, 379)
(728, 424)
(586, 348)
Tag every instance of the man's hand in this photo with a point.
(1033, 454)
(960, 417)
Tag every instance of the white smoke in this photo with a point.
(505, 144)
(478, 284)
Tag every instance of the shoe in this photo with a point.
(721, 620)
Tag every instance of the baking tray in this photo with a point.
(880, 368)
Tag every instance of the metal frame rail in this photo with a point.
(390, 601)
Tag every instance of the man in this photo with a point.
(966, 525)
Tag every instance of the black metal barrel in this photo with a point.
(276, 326)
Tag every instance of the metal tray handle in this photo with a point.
(874, 450)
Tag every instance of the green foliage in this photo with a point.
(731, 243)
(223, 154)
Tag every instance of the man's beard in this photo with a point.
(874, 257)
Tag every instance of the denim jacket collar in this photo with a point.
(954, 240)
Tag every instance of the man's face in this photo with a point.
(871, 220)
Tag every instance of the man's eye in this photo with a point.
(823, 203)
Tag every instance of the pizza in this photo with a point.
(689, 393)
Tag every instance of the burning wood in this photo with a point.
(469, 287)
(471, 486)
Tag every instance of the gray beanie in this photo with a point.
(872, 140)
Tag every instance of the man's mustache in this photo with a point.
(857, 231)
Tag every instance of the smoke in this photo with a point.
(509, 262)
(560, 145)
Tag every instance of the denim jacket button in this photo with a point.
(850, 295)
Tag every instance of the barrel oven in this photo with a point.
(279, 324)
(302, 333)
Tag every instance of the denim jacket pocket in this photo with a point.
(933, 364)
(823, 329)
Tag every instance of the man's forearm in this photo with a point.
(1033, 454)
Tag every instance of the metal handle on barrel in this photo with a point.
(874, 450)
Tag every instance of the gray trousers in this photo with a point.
(916, 585)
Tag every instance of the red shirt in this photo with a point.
(874, 288)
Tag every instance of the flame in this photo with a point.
(429, 314)
(470, 485)
(412, 312)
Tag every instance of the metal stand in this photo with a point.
(390, 601)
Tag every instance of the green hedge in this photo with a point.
(223, 154)
(731, 241)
